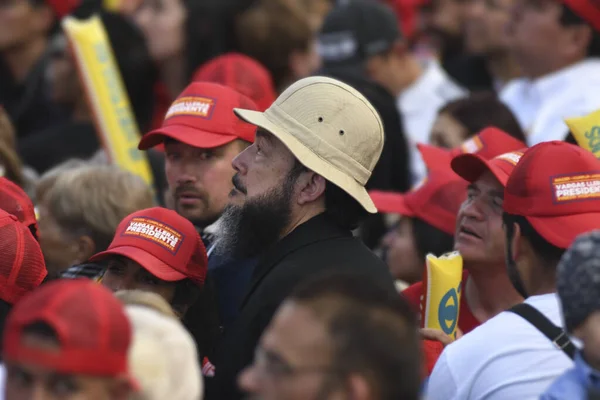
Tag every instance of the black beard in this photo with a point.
(512, 271)
(247, 230)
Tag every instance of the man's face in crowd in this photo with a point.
(589, 333)
(22, 22)
(261, 202)
(162, 22)
(400, 252)
(27, 381)
(125, 274)
(485, 26)
(293, 359)
(479, 236)
(444, 23)
(200, 179)
(536, 35)
(61, 73)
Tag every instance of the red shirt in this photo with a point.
(466, 320)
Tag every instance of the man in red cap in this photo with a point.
(156, 250)
(67, 340)
(201, 137)
(552, 196)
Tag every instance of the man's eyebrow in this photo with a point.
(264, 134)
(497, 193)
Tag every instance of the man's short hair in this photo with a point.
(95, 199)
(374, 331)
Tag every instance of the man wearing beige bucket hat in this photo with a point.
(298, 192)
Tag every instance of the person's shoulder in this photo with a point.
(567, 386)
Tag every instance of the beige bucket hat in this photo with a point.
(330, 128)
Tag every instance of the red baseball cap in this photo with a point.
(587, 10)
(556, 186)
(162, 242)
(435, 201)
(63, 7)
(90, 324)
(15, 201)
(22, 267)
(488, 143)
(471, 166)
(202, 116)
(242, 73)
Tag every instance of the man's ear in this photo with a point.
(310, 187)
(579, 37)
(85, 247)
(358, 388)
(515, 242)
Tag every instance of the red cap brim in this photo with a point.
(562, 230)
(471, 166)
(435, 157)
(185, 134)
(150, 263)
(391, 203)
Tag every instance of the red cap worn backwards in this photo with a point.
(435, 201)
(202, 116)
(15, 201)
(471, 166)
(22, 267)
(90, 324)
(488, 143)
(241, 73)
(162, 242)
(556, 186)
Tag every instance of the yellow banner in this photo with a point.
(115, 124)
(112, 5)
(586, 131)
(440, 305)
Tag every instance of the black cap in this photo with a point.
(356, 30)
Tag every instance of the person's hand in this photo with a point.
(439, 336)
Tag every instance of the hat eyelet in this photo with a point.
(342, 132)
(320, 119)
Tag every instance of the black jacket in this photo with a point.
(311, 248)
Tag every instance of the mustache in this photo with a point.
(186, 188)
(237, 183)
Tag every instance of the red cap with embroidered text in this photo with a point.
(163, 242)
(15, 201)
(91, 328)
(202, 116)
(556, 186)
(22, 266)
(471, 166)
(241, 73)
(436, 200)
(488, 143)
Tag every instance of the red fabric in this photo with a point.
(436, 201)
(556, 186)
(241, 73)
(63, 7)
(202, 116)
(488, 143)
(588, 10)
(471, 166)
(22, 267)
(90, 324)
(15, 201)
(163, 242)
(466, 321)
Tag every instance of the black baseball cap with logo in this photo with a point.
(354, 31)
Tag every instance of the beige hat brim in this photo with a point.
(309, 159)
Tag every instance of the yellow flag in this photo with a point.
(106, 94)
(112, 5)
(440, 305)
(586, 131)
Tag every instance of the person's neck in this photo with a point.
(549, 69)
(412, 71)
(302, 217)
(488, 292)
(592, 362)
(503, 67)
(545, 281)
(173, 74)
(21, 60)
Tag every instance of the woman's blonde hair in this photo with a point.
(146, 299)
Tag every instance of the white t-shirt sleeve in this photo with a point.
(442, 384)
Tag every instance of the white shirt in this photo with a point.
(542, 104)
(505, 358)
(419, 105)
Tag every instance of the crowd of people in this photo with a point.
(307, 158)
